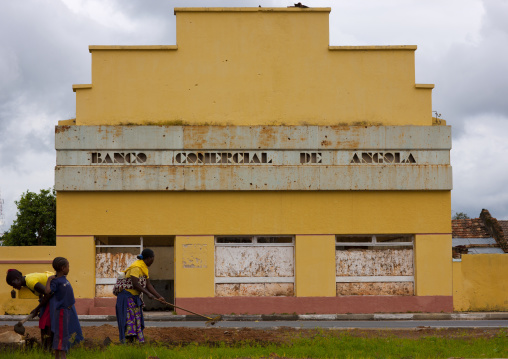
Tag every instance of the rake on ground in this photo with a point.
(211, 321)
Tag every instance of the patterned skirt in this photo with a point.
(133, 326)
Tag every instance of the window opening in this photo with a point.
(374, 264)
(254, 266)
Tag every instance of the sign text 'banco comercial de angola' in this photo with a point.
(249, 158)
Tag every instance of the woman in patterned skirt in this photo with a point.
(129, 304)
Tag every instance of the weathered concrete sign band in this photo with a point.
(244, 158)
(273, 158)
(252, 178)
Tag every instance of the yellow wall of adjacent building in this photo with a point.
(194, 266)
(231, 213)
(80, 251)
(433, 264)
(256, 66)
(479, 283)
(315, 266)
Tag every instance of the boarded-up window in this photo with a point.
(374, 265)
(254, 266)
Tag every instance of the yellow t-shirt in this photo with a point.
(33, 278)
(136, 269)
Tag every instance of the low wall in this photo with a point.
(316, 305)
(80, 251)
(480, 283)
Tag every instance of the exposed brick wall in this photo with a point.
(494, 229)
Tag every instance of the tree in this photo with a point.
(35, 224)
(460, 215)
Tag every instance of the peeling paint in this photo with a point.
(254, 261)
(195, 256)
(255, 290)
(107, 265)
(374, 262)
(375, 288)
(104, 290)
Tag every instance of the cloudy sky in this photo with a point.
(462, 49)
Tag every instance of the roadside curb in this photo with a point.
(165, 317)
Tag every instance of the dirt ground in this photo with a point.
(96, 336)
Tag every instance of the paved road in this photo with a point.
(388, 324)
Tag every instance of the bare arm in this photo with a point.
(48, 285)
(152, 290)
(44, 298)
(40, 288)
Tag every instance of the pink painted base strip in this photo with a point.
(83, 305)
(317, 305)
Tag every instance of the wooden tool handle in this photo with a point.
(189, 311)
(30, 316)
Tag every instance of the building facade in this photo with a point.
(270, 171)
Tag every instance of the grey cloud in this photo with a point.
(44, 50)
(473, 76)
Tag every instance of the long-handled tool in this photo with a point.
(210, 321)
(19, 328)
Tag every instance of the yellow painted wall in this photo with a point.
(226, 213)
(80, 251)
(480, 284)
(194, 266)
(253, 67)
(315, 266)
(433, 264)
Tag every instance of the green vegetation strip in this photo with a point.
(320, 346)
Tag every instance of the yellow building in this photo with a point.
(269, 171)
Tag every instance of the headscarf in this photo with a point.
(147, 253)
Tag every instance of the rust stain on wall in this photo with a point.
(254, 262)
(62, 129)
(255, 290)
(385, 288)
(374, 262)
(195, 255)
(107, 265)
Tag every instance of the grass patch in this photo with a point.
(321, 345)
